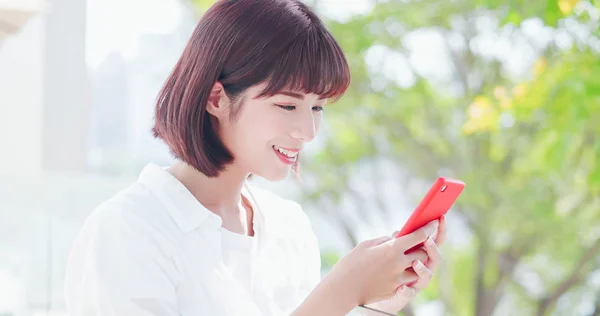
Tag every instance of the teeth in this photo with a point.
(286, 153)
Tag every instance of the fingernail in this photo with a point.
(419, 265)
(429, 241)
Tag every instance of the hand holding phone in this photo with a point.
(436, 203)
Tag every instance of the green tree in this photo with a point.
(527, 146)
(526, 142)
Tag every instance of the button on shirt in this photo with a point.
(153, 249)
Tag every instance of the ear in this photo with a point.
(218, 103)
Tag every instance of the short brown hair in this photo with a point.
(241, 43)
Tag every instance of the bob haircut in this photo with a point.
(242, 43)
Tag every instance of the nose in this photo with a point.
(305, 128)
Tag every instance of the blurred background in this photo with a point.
(504, 95)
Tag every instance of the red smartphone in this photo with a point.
(436, 203)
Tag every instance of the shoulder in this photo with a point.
(120, 255)
(135, 205)
(125, 232)
(133, 218)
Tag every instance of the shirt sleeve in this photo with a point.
(116, 267)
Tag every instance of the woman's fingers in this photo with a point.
(418, 254)
(375, 242)
(408, 292)
(424, 275)
(434, 254)
(441, 233)
(423, 271)
(417, 237)
(408, 277)
(420, 263)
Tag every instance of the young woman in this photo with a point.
(195, 238)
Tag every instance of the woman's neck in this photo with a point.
(221, 195)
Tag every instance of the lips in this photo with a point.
(285, 155)
(288, 152)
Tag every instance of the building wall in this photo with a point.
(43, 104)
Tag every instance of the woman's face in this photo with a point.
(267, 134)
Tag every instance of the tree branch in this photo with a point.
(596, 311)
(459, 67)
(481, 293)
(487, 298)
(571, 280)
(344, 225)
(376, 177)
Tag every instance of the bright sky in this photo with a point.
(117, 25)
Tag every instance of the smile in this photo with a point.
(287, 156)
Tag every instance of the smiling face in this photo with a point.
(285, 47)
(267, 134)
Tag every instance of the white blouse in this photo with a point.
(238, 256)
(153, 249)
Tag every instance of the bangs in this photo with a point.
(312, 63)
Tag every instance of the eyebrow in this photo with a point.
(296, 95)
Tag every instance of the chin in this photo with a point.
(275, 175)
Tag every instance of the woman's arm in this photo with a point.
(331, 297)
(328, 296)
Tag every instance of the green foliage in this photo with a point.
(329, 259)
(527, 146)
(202, 5)
(532, 183)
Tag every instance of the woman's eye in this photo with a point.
(293, 107)
(286, 107)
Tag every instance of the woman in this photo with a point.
(194, 238)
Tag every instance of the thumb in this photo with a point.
(376, 241)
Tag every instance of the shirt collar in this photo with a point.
(183, 207)
(187, 212)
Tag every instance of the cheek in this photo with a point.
(273, 125)
(264, 131)
(318, 121)
(254, 133)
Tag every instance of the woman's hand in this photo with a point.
(424, 270)
(375, 268)
(373, 271)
